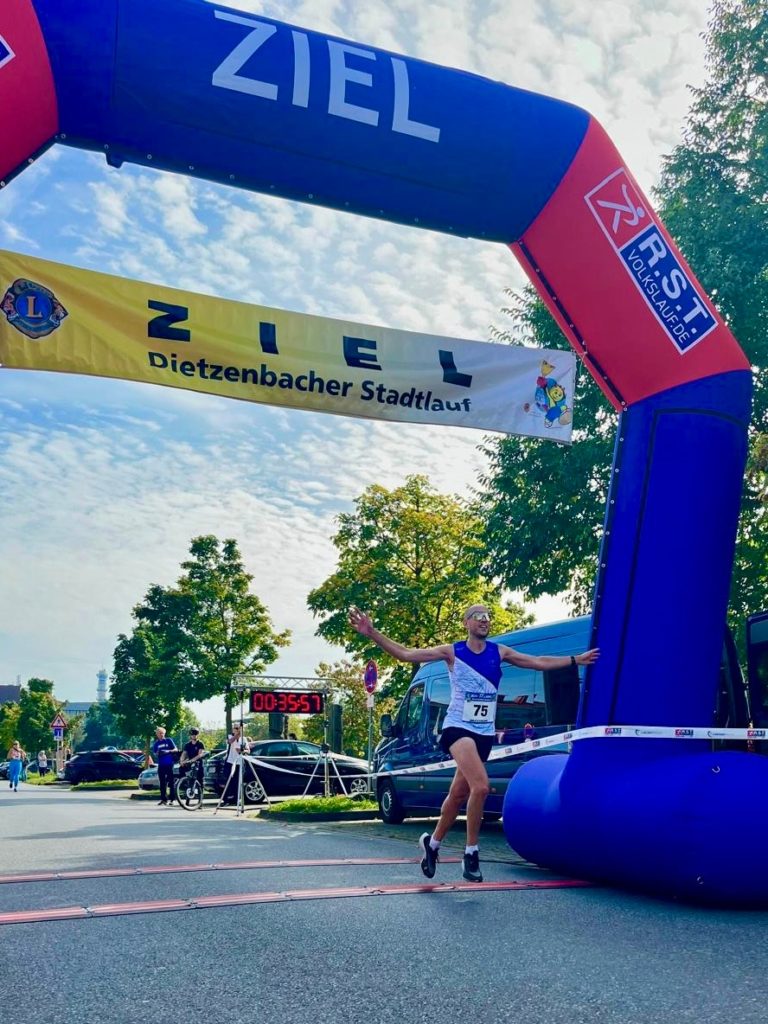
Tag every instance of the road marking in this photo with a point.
(288, 896)
(244, 865)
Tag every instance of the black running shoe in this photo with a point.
(472, 871)
(430, 858)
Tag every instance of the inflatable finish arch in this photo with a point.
(195, 88)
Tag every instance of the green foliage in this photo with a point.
(100, 729)
(146, 686)
(49, 779)
(228, 629)
(215, 738)
(29, 720)
(346, 682)
(543, 504)
(320, 805)
(713, 196)
(191, 640)
(9, 726)
(108, 784)
(411, 558)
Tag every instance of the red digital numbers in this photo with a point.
(287, 702)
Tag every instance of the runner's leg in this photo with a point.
(464, 752)
(457, 795)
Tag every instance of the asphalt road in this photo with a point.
(532, 955)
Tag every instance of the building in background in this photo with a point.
(101, 689)
(9, 694)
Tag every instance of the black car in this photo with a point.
(305, 763)
(99, 765)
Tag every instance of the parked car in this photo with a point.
(211, 769)
(4, 769)
(98, 765)
(150, 780)
(303, 760)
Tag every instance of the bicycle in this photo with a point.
(189, 789)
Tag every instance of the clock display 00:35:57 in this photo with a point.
(287, 702)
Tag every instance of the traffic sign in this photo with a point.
(58, 722)
(58, 733)
(371, 676)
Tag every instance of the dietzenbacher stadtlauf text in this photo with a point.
(310, 382)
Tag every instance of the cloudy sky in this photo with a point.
(104, 483)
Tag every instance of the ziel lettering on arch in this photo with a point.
(340, 73)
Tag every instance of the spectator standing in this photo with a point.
(42, 763)
(237, 744)
(15, 764)
(163, 750)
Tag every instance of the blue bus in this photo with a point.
(532, 705)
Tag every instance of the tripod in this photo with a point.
(326, 763)
(238, 765)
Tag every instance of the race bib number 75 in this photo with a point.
(479, 707)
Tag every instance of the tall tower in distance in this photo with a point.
(101, 689)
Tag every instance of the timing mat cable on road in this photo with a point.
(288, 896)
(242, 865)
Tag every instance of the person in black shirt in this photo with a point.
(192, 755)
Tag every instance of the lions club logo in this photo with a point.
(32, 309)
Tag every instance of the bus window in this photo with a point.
(521, 699)
(439, 699)
(757, 661)
(412, 717)
(561, 693)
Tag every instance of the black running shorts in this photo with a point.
(450, 735)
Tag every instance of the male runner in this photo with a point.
(474, 667)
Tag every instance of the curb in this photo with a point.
(318, 815)
(100, 789)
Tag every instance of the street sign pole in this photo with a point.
(370, 680)
(58, 725)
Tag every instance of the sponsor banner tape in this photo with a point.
(595, 732)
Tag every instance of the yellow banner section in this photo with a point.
(55, 317)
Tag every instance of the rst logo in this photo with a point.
(613, 730)
(6, 53)
(653, 266)
(755, 734)
(683, 732)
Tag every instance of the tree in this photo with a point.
(100, 729)
(713, 196)
(9, 726)
(146, 687)
(37, 709)
(411, 558)
(191, 640)
(543, 504)
(228, 628)
(346, 688)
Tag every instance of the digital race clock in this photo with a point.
(288, 702)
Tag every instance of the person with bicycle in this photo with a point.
(192, 754)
